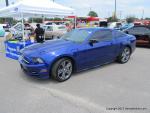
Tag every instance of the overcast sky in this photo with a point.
(105, 8)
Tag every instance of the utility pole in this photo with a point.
(115, 15)
(120, 15)
(142, 14)
(7, 3)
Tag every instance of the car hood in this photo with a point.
(47, 47)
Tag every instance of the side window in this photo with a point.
(138, 30)
(144, 30)
(131, 31)
(103, 35)
(49, 28)
(119, 34)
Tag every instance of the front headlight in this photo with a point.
(37, 60)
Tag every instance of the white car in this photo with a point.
(54, 31)
(115, 25)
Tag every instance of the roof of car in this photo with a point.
(95, 28)
(148, 26)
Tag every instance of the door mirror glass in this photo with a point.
(126, 32)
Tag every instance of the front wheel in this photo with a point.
(62, 69)
(125, 55)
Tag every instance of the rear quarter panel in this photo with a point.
(127, 40)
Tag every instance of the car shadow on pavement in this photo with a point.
(76, 74)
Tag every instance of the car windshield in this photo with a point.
(77, 35)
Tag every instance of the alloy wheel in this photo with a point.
(125, 55)
(64, 70)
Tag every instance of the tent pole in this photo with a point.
(23, 29)
(43, 17)
(75, 22)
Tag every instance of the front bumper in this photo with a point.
(38, 70)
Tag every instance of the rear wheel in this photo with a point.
(149, 41)
(62, 69)
(125, 55)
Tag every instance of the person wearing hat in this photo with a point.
(39, 34)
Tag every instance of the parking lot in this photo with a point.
(100, 90)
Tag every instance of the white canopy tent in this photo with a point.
(35, 8)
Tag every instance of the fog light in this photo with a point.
(43, 70)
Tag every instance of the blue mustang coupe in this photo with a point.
(78, 50)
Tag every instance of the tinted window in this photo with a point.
(119, 34)
(103, 35)
(50, 28)
(139, 30)
(76, 35)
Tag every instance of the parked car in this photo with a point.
(103, 24)
(2, 31)
(54, 31)
(142, 34)
(6, 27)
(126, 26)
(78, 50)
(115, 25)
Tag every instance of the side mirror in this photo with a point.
(93, 41)
(126, 32)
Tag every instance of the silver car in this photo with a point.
(54, 31)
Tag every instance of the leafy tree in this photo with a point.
(8, 20)
(130, 19)
(112, 19)
(57, 19)
(147, 18)
(93, 14)
(36, 20)
(40, 20)
(2, 20)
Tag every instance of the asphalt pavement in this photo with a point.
(113, 88)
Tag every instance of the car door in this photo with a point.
(48, 31)
(99, 53)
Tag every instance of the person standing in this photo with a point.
(39, 34)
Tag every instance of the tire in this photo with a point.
(124, 56)
(62, 69)
(55, 37)
(149, 41)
